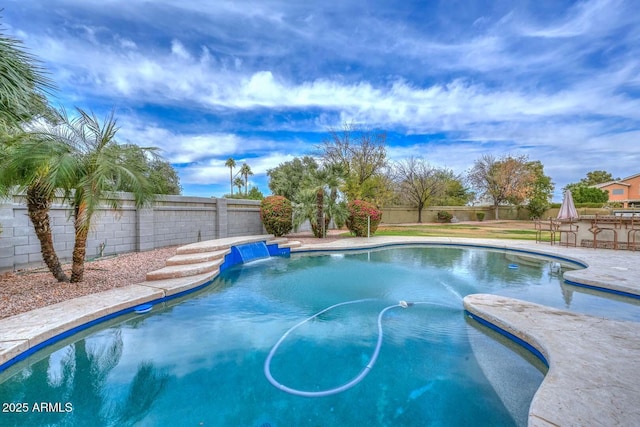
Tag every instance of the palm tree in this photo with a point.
(230, 163)
(31, 164)
(238, 182)
(97, 169)
(319, 199)
(23, 84)
(22, 97)
(245, 171)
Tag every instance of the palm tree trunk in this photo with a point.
(81, 226)
(38, 207)
(231, 179)
(319, 212)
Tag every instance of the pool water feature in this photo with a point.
(251, 251)
(201, 360)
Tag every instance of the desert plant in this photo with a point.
(276, 215)
(93, 166)
(444, 216)
(359, 211)
(480, 216)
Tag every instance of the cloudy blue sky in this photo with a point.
(263, 80)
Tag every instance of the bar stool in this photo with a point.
(543, 227)
(634, 226)
(605, 223)
(570, 229)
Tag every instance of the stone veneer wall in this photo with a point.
(172, 220)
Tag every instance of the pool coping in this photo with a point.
(562, 399)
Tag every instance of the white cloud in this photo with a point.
(175, 147)
(179, 50)
(585, 18)
(214, 170)
(511, 78)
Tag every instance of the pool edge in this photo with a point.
(590, 380)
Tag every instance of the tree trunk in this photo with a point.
(496, 209)
(319, 213)
(38, 208)
(420, 206)
(81, 226)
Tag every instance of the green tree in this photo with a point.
(245, 171)
(162, 177)
(23, 84)
(230, 163)
(541, 192)
(319, 200)
(96, 168)
(255, 194)
(362, 155)
(286, 179)
(31, 164)
(597, 177)
(583, 194)
(455, 192)
(238, 182)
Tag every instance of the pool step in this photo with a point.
(184, 270)
(219, 244)
(197, 257)
(201, 258)
(290, 244)
(180, 284)
(277, 241)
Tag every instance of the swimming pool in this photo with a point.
(201, 359)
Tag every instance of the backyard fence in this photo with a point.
(171, 220)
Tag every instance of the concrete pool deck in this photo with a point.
(594, 363)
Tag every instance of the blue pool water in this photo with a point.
(200, 360)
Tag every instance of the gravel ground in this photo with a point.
(30, 289)
(27, 290)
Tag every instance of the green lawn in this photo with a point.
(523, 230)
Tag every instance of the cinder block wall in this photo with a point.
(242, 218)
(172, 220)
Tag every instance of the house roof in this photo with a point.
(631, 177)
(617, 181)
(606, 184)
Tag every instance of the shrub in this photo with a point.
(359, 211)
(444, 216)
(537, 207)
(276, 215)
(480, 216)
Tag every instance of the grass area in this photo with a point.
(523, 230)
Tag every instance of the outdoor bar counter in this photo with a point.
(598, 231)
